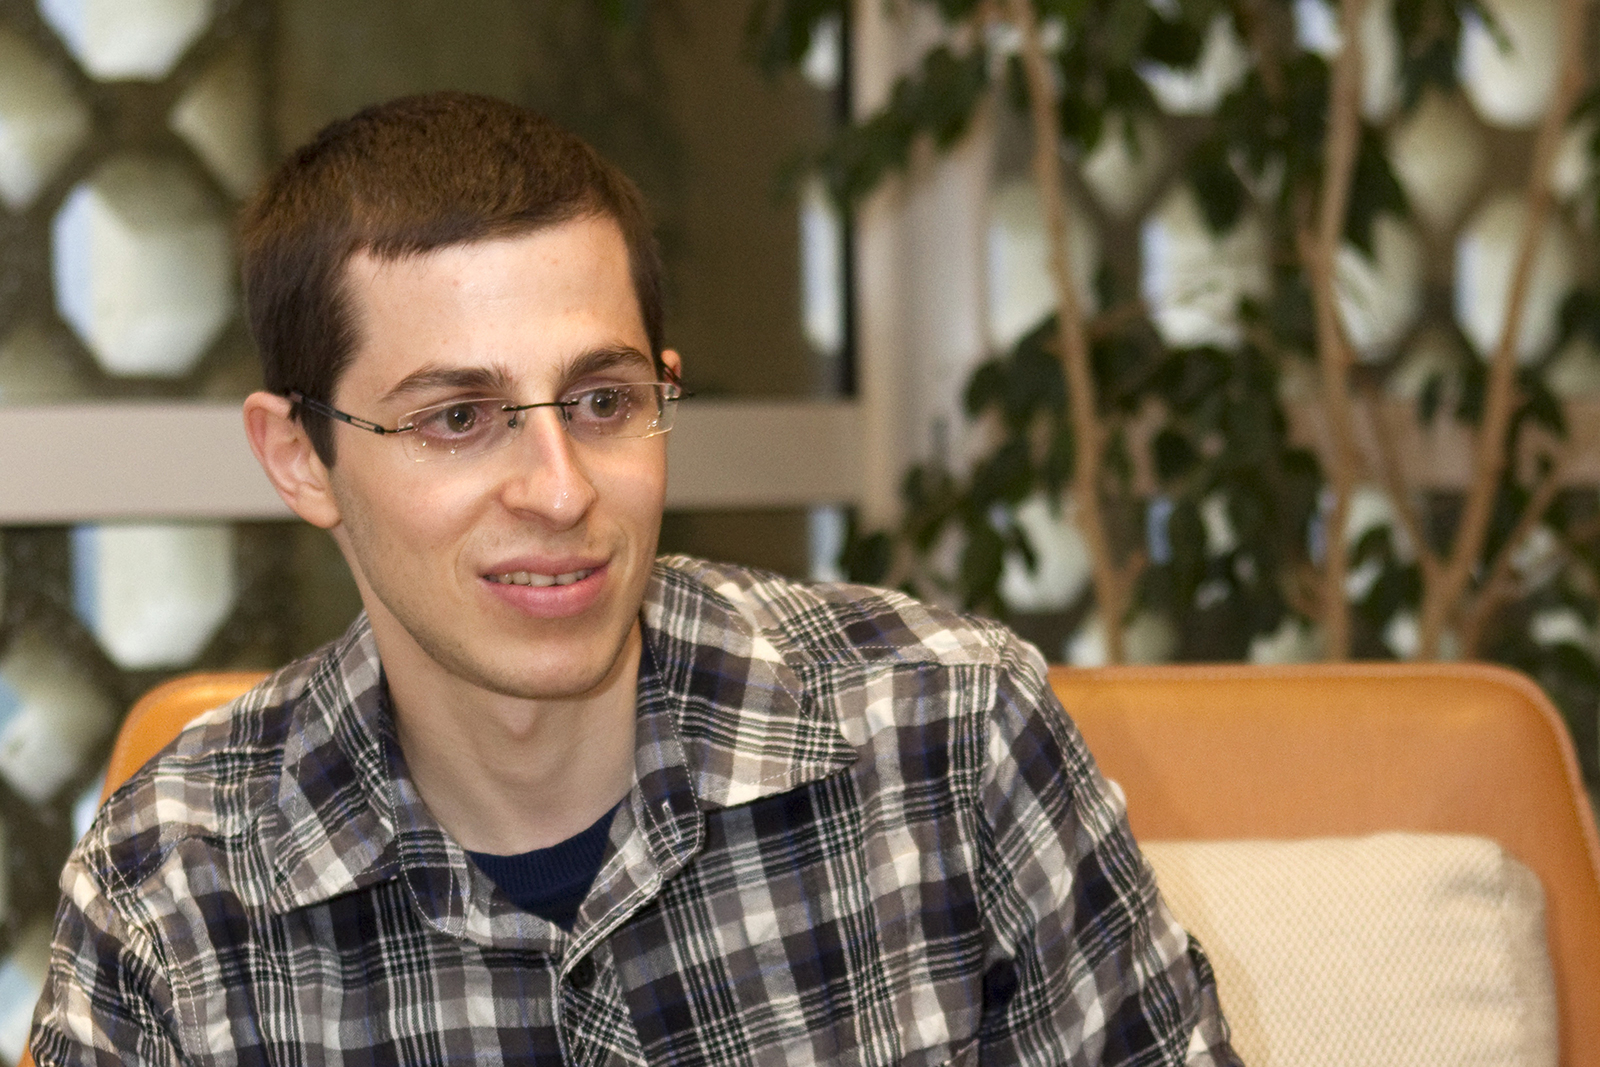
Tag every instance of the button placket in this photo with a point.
(596, 1025)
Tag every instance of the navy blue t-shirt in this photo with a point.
(551, 882)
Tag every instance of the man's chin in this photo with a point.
(554, 686)
(577, 669)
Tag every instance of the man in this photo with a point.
(551, 800)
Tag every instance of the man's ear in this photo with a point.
(292, 465)
(673, 362)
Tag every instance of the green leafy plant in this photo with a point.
(1206, 491)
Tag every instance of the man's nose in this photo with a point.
(546, 479)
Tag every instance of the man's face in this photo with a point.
(456, 558)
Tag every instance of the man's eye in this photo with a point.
(458, 420)
(602, 404)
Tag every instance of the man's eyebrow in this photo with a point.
(494, 380)
(610, 357)
(497, 380)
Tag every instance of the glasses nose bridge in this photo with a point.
(520, 427)
(560, 410)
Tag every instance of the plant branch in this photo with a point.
(1301, 590)
(1114, 319)
(1319, 249)
(1499, 587)
(1587, 530)
(1440, 599)
(1258, 16)
(1113, 582)
(1405, 504)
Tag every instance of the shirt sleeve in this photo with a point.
(1085, 963)
(106, 999)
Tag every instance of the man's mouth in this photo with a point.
(540, 580)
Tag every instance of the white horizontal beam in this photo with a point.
(764, 454)
(176, 461)
(130, 460)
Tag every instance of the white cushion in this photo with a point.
(1396, 949)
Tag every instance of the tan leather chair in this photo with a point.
(1221, 752)
(1241, 752)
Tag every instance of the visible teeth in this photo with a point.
(540, 580)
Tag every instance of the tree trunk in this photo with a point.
(1113, 580)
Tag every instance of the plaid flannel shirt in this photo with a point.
(861, 832)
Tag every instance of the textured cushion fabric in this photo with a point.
(1389, 950)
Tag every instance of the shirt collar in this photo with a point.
(332, 828)
(723, 719)
(729, 675)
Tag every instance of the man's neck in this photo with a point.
(506, 775)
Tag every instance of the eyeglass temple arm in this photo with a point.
(672, 377)
(297, 397)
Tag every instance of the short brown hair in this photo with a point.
(404, 178)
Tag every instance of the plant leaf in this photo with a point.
(1430, 397)
(982, 558)
(1217, 188)
(779, 33)
(1174, 455)
(1374, 190)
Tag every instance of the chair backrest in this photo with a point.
(1221, 752)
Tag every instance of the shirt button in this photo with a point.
(582, 974)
